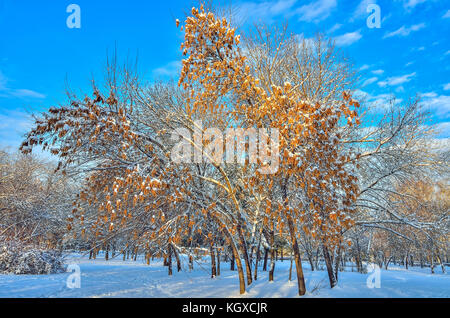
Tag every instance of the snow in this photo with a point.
(117, 278)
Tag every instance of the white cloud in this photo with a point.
(348, 38)
(361, 9)
(370, 81)
(443, 130)
(410, 4)
(13, 125)
(335, 27)
(446, 15)
(364, 67)
(316, 10)
(438, 104)
(400, 89)
(24, 93)
(265, 10)
(396, 80)
(6, 91)
(171, 69)
(309, 42)
(405, 31)
(447, 87)
(378, 72)
(429, 95)
(378, 102)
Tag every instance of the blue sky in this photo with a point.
(408, 55)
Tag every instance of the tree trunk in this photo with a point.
(358, 257)
(177, 257)
(387, 263)
(266, 255)
(272, 255)
(245, 255)
(191, 262)
(290, 268)
(218, 262)
(258, 254)
(440, 261)
(298, 261)
(232, 261)
(432, 263)
(169, 262)
(213, 261)
(336, 264)
(237, 257)
(296, 250)
(310, 260)
(406, 260)
(326, 256)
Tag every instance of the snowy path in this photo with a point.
(115, 278)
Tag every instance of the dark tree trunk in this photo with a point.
(177, 257)
(336, 264)
(272, 255)
(296, 250)
(237, 257)
(136, 253)
(310, 259)
(169, 262)
(266, 255)
(329, 265)
(290, 268)
(218, 262)
(243, 243)
(191, 263)
(213, 261)
(232, 262)
(358, 257)
(438, 256)
(386, 265)
(406, 260)
(298, 261)
(258, 254)
(432, 263)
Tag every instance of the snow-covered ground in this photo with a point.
(116, 278)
